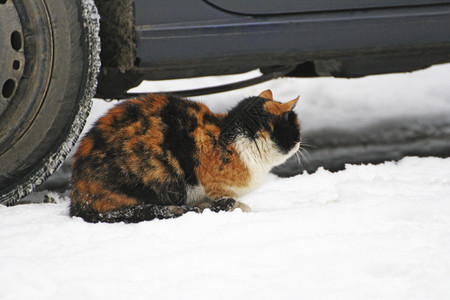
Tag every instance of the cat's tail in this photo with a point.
(132, 214)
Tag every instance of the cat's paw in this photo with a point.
(177, 211)
(224, 204)
(228, 204)
(242, 206)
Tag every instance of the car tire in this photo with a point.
(53, 68)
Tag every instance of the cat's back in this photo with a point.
(155, 117)
(139, 112)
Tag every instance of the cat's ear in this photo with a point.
(290, 105)
(277, 108)
(267, 94)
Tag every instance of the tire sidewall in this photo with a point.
(66, 88)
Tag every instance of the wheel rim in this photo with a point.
(11, 48)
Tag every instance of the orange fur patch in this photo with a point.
(152, 140)
(79, 191)
(105, 122)
(112, 201)
(267, 94)
(274, 108)
(174, 163)
(85, 147)
(277, 108)
(216, 176)
(154, 136)
(157, 173)
(153, 103)
(200, 114)
(94, 194)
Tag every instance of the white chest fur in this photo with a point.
(260, 156)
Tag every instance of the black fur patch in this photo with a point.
(286, 131)
(245, 118)
(131, 214)
(178, 138)
(225, 204)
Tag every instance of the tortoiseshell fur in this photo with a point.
(160, 156)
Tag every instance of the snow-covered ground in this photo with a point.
(367, 232)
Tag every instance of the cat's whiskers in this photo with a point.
(299, 161)
(302, 153)
(308, 145)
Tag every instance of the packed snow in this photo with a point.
(366, 232)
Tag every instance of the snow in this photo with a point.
(367, 232)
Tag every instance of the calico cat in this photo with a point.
(160, 156)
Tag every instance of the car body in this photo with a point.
(184, 39)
